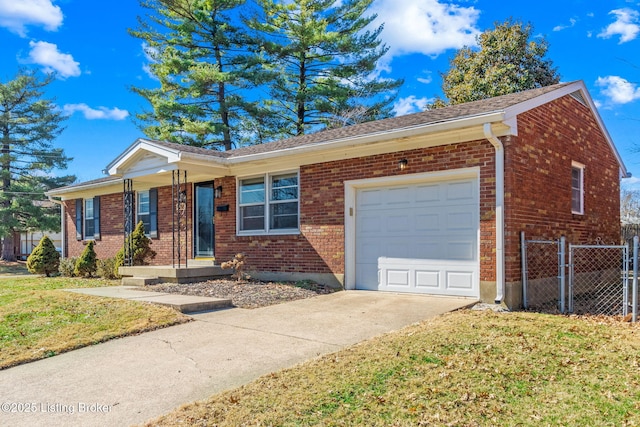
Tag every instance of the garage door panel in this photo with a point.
(461, 250)
(459, 280)
(427, 280)
(464, 190)
(399, 196)
(419, 238)
(427, 193)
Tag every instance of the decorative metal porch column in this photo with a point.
(129, 221)
(179, 218)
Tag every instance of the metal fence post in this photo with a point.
(571, 277)
(634, 298)
(562, 276)
(523, 256)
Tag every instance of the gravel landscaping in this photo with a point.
(246, 294)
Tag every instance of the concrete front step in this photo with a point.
(175, 274)
(140, 281)
(183, 303)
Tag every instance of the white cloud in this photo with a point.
(428, 78)
(626, 25)
(52, 60)
(618, 90)
(409, 105)
(150, 53)
(572, 23)
(428, 27)
(96, 114)
(15, 15)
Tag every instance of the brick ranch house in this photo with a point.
(432, 202)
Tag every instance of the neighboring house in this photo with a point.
(26, 241)
(432, 202)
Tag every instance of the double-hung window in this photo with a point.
(577, 188)
(142, 210)
(89, 220)
(268, 204)
(147, 211)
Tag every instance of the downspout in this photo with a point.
(497, 144)
(63, 232)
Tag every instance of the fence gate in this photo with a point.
(602, 279)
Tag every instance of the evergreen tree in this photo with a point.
(201, 62)
(321, 58)
(86, 264)
(28, 126)
(140, 246)
(44, 259)
(505, 62)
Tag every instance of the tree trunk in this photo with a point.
(8, 253)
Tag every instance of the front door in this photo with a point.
(204, 215)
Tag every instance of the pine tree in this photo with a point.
(200, 59)
(86, 264)
(140, 247)
(44, 259)
(321, 57)
(506, 62)
(28, 126)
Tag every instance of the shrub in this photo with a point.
(44, 259)
(238, 264)
(68, 266)
(86, 264)
(141, 246)
(107, 268)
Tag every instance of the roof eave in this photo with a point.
(372, 138)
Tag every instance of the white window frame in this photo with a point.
(138, 212)
(86, 218)
(575, 166)
(267, 203)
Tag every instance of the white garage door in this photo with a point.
(420, 238)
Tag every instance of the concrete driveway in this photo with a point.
(130, 380)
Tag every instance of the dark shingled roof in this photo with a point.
(440, 115)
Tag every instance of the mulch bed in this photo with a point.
(246, 294)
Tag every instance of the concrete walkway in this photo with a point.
(130, 380)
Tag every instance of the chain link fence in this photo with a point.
(601, 280)
(541, 275)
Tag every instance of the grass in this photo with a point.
(467, 368)
(38, 319)
(13, 268)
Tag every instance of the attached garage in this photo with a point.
(419, 235)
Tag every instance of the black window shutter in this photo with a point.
(153, 213)
(96, 217)
(78, 219)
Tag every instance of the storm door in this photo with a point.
(204, 220)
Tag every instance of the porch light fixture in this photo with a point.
(403, 164)
(217, 193)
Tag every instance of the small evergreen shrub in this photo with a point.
(68, 266)
(86, 264)
(107, 268)
(44, 259)
(141, 246)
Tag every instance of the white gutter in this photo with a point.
(500, 267)
(63, 234)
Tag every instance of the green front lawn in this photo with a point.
(467, 368)
(38, 319)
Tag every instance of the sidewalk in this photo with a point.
(133, 379)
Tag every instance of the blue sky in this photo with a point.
(87, 44)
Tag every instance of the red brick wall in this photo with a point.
(112, 226)
(538, 180)
(319, 248)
